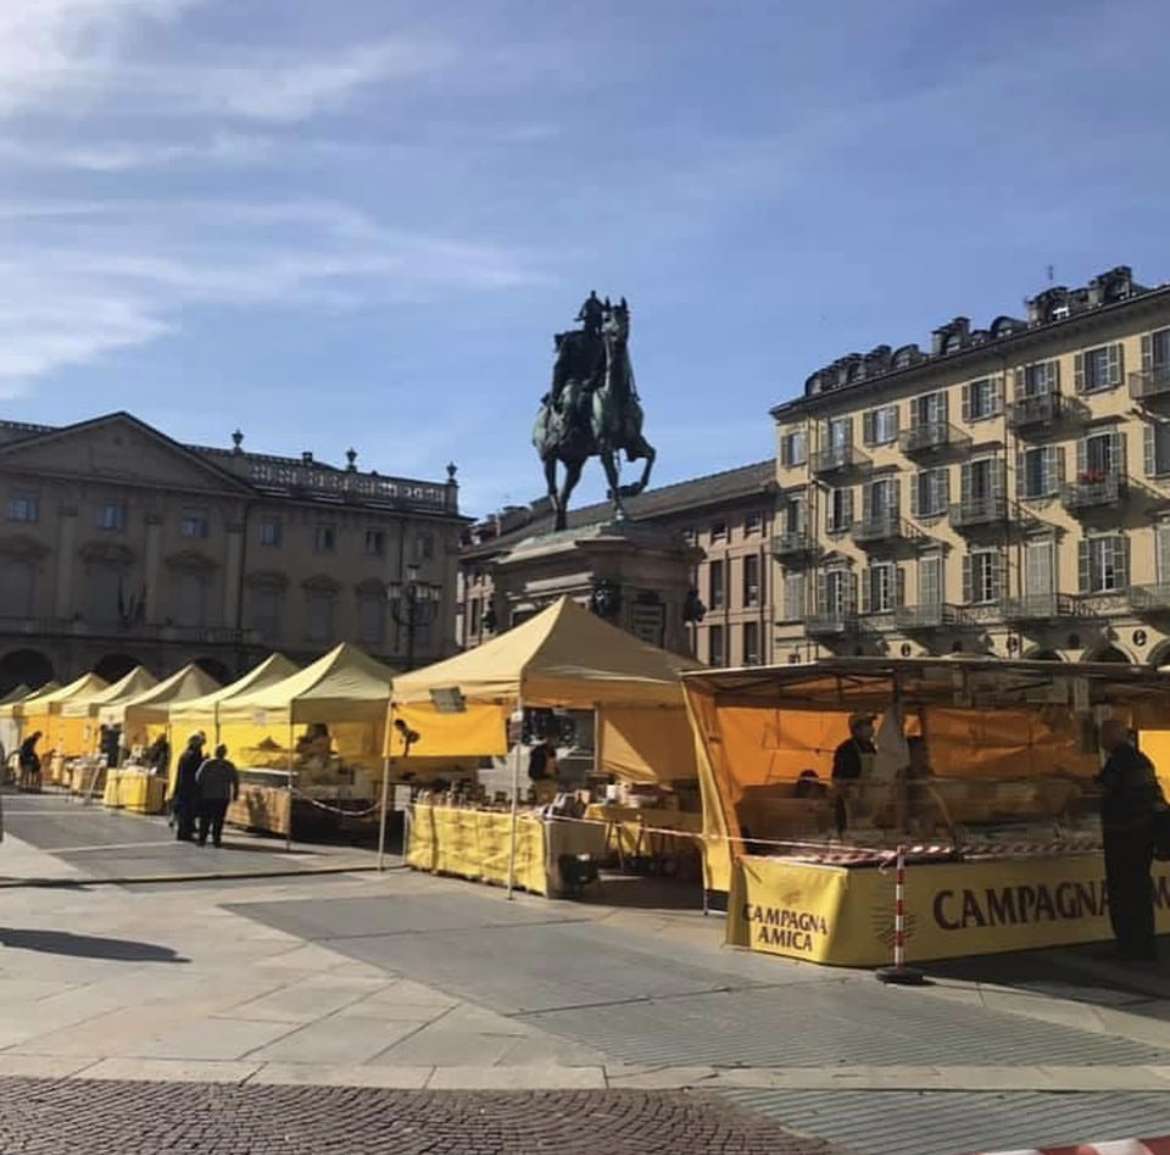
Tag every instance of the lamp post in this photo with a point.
(412, 603)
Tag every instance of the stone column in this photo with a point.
(63, 606)
(152, 572)
(233, 573)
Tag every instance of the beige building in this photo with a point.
(119, 545)
(1005, 493)
(729, 515)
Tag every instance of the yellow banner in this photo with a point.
(845, 917)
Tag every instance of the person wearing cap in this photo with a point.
(850, 759)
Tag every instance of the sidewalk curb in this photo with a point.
(211, 876)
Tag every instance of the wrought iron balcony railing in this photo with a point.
(1153, 598)
(792, 543)
(1092, 491)
(1036, 607)
(973, 512)
(932, 437)
(881, 527)
(831, 624)
(838, 459)
(1146, 384)
(932, 616)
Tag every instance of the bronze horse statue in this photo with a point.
(593, 408)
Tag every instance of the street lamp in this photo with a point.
(412, 603)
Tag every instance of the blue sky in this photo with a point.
(359, 222)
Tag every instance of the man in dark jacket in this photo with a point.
(186, 801)
(1130, 795)
(850, 758)
(218, 784)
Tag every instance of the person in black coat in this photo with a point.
(185, 805)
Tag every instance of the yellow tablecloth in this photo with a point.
(134, 791)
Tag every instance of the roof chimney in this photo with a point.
(307, 457)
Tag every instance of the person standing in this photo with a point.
(1130, 797)
(850, 759)
(30, 763)
(542, 770)
(219, 784)
(185, 803)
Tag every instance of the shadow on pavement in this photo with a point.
(86, 946)
(643, 892)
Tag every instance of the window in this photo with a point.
(929, 409)
(751, 643)
(836, 593)
(1098, 369)
(719, 531)
(270, 532)
(751, 580)
(473, 616)
(794, 515)
(1037, 380)
(718, 590)
(932, 492)
(1040, 568)
(1104, 564)
(424, 546)
(1157, 448)
(372, 619)
(1156, 350)
(193, 524)
(981, 399)
(689, 535)
(17, 587)
(839, 510)
(930, 581)
(319, 617)
(879, 500)
(716, 654)
(794, 597)
(793, 448)
(840, 432)
(112, 516)
(1100, 457)
(1039, 472)
(268, 614)
(880, 426)
(882, 589)
(24, 507)
(191, 597)
(982, 576)
(375, 543)
(982, 480)
(325, 539)
(105, 597)
(753, 523)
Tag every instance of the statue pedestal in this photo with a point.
(639, 575)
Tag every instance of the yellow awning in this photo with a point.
(153, 704)
(198, 711)
(80, 689)
(133, 684)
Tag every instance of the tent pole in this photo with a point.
(518, 712)
(289, 787)
(385, 793)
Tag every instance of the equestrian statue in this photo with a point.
(592, 408)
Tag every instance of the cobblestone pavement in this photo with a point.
(84, 1117)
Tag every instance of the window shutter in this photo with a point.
(1116, 357)
(1053, 468)
(1079, 372)
(967, 579)
(895, 414)
(996, 393)
(1162, 552)
(1121, 561)
(1149, 451)
(1020, 384)
(942, 408)
(997, 575)
(895, 491)
(899, 586)
(915, 485)
(1118, 456)
(966, 403)
(868, 432)
(786, 450)
(1021, 475)
(867, 590)
(1084, 572)
(851, 603)
(1082, 458)
(1147, 353)
(846, 509)
(943, 490)
(847, 425)
(998, 477)
(965, 481)
(867, 502)
(1052, 376)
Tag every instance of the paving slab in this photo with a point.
(516, 1079)
(170, 1071)
(335, 1040)
(342, 1075)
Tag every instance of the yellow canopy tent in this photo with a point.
(202, 713)
(17, 694)
(145, 715)
(76, 729)
(346, 690)
(12, 710)
(43, 712)
(564, 656)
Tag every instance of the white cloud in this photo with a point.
(80, 280)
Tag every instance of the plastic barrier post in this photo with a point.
(900, 973)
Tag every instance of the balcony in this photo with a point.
(979, 512)
(882, 528)
(1150, 599)
(838, 459)
(1036, 608)
(1150, 384)
(794, 544)
(932, 437)
(937, 616)
(1093, 492)
(834, 625)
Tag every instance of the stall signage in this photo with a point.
(782, 926)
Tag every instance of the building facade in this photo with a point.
(1006, 493)
(729, 516)
(120, 546)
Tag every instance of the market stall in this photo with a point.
(562, 658)
(309, 746)
(12, 713)
(983, 769)
(43, 714)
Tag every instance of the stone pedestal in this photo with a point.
(638, 576)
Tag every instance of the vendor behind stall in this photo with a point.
(542, 770)
(851, 759)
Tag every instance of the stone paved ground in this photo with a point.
(98, 1118)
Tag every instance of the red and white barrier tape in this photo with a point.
(1117, 1147)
